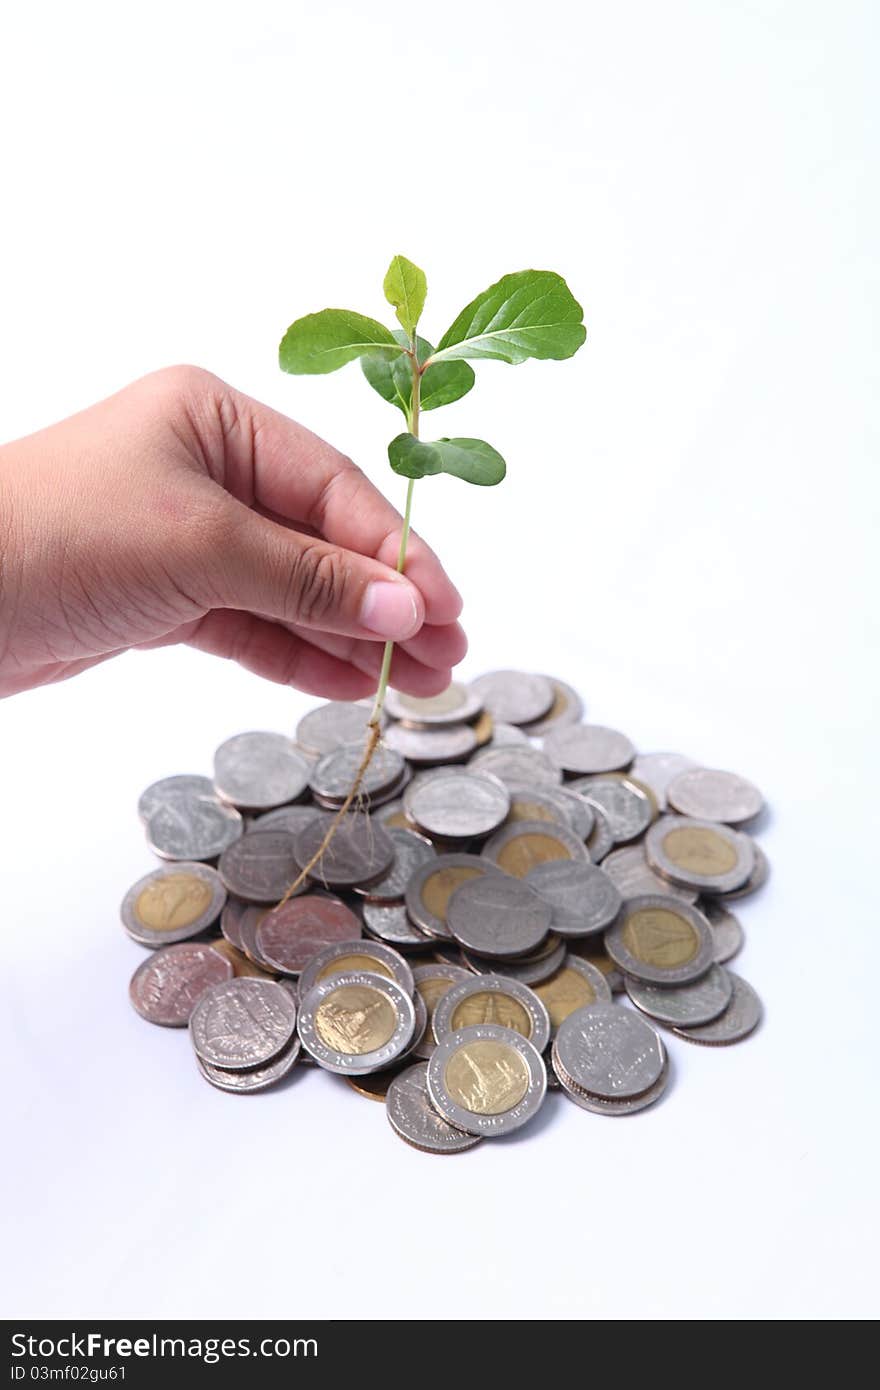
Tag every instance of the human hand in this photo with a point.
(179, 510)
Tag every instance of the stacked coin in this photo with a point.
(455, 949)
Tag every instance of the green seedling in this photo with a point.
(531, 313)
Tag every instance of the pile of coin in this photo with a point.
(456, 949)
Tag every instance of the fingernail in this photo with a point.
(389, 610)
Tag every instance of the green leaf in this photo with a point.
(406, 288)
(441, 384)
(444, 382)
(322, 342)
(471, 459)
(529, 314)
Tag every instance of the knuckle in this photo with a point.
(345, 475)
(318, 582)
(183, 381)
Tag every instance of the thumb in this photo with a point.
(259, 566)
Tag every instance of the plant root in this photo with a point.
(354, 793)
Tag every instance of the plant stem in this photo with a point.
(404, 537)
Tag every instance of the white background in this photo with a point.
(687, 533)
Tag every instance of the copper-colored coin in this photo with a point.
(287, 937)
(374, 1086)
(167, 986)
(230, 921)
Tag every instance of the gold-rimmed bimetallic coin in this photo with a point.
(172, 904)
(518, 848)
(661, 941)
(486, 1080)
(574, 985)
(699, 854)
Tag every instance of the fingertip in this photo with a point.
(393, 609)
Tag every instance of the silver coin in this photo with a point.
(600, 841)
(360, 851)
(661, 941)
(702, 1001)
(413, 1117)
(260, 867)
(457, 804)
(657, 770)
(498, 916)
(492, 999)
(756, 879)
(430, 888)
(333, 775)
(331, 725)
(166, 986)
(247, 933)
(455, 705)
(486, 1080)
(448, 744)
(582, 815)
(608, 1051)
(601, 1105)
(582, 897)
(517, 766)
(356, 1023)
(172, 904)
(346, 957)
(169, 788)
(259, 770)
(411, 851)
(627, 807)
(293, 819)
(503, 735)
(419, 1027)
(727, 932)
(707, 794)
(528, 970)
(192, 826)
(567, 708)
(391, 923)
(589, 748)
(700, 854)
(741, 1017)
(392, 815)
(243, 1083)
(378, 798)
(634, 877)
(514, 697)
(242, 1023)
(555, 804)
(432, 982)
(520, 847)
